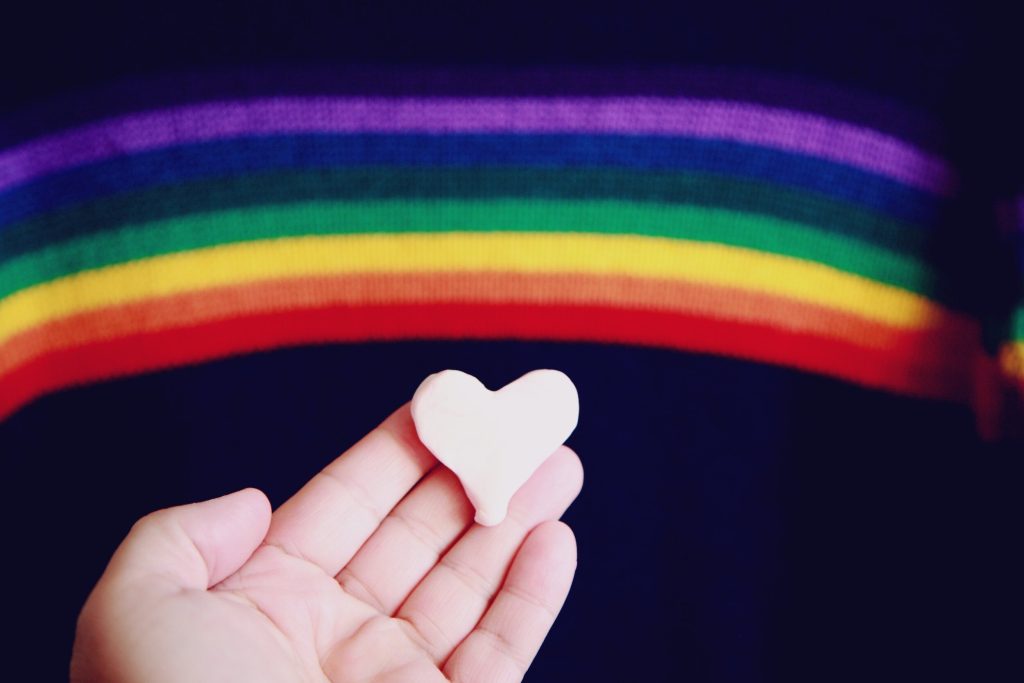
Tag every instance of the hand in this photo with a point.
(372, 572)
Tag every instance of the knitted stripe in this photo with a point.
(891, 369)
(369, 183)
(705, 224)
(797, 93)
(686, 297)
(796, 132)
(639, 152)
(566, 219)
(610, 255)
(1012, 353)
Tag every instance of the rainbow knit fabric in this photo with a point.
(791, 299)
(774, 229)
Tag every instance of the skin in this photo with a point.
(372, 572)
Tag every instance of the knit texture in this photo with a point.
(777, 247)
(712, 224)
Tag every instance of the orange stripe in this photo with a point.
(941, 344)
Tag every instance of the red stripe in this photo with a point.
(939, 338)
(898, 368)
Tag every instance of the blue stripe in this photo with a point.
(245, 155)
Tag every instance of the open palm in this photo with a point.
(373, 571)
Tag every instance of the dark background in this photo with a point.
(738, 522)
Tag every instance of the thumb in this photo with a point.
(196, 545)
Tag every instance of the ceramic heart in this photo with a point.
(494, 440)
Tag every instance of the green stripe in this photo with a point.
(1018, 324)
(365, 184)
(317, 218)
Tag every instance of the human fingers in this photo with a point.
(330, 517)
(502, 646)
(450, 600)
(195, 545)
(408, 542)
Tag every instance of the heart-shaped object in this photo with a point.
(494, 440)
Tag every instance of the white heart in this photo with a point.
(494, 440)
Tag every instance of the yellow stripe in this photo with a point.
(1011, 359)
(640, 256)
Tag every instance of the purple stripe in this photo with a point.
(780, 129)
(756, 86)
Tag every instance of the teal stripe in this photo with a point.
(364, 184)
(317, 218)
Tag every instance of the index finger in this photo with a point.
(330, 517)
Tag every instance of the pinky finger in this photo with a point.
(504, 643)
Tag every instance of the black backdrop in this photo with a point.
(738, 522)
